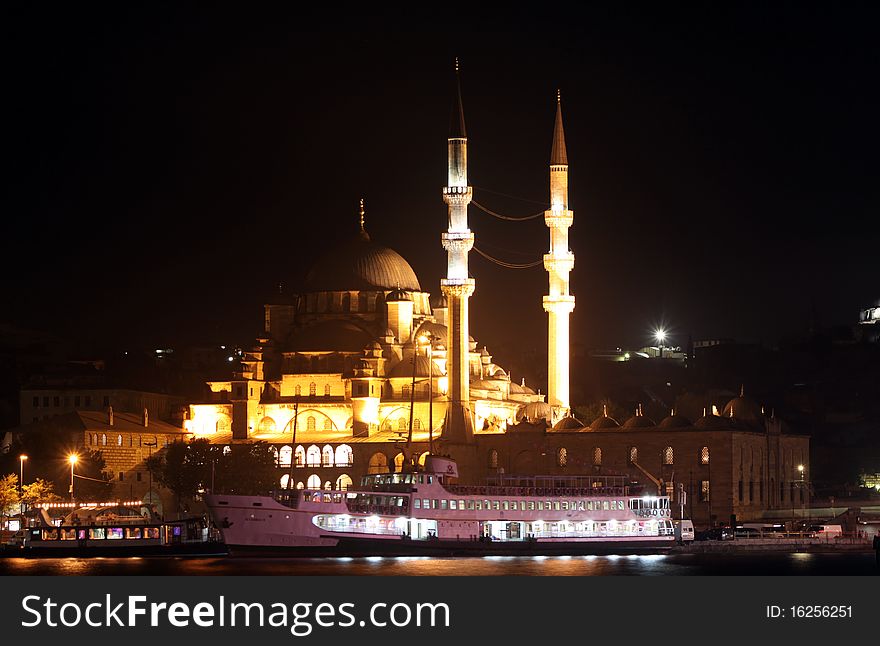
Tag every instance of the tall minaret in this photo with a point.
(558, 263)
(458, 286)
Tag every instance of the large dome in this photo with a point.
(360, 264)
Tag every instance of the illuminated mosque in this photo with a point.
(365, 372)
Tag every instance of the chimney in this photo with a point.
(110, 416)
(146, 418)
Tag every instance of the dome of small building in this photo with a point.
(604, 422)
(535, 411)
(675, 421)
(712, 422)
(484, 384)
(569, 423)
(516, 389)
(436, 330)
(397, 294)
(439, 301)
(405, 368)
(639, 421)
(744, 409)
(360, 264)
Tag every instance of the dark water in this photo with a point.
(642, 565)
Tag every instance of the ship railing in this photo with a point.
(360, 529)
(652, 513)
(379, 510)
(536, 492)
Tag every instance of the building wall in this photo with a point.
(42, 403)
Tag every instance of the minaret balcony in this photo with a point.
(560, 264)
(561, 304)
(458, 195)
(457, 287)
(561, 219)
(457, 240)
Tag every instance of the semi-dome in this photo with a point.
(361, 264)
(439, 301)
(397, 294)
(334, 334)
(712, 422)
(535, 411)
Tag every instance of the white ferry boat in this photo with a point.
(423, 513)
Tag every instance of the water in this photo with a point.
(642, 565)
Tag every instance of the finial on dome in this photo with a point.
(523, 384)
(742, 390)
(672, 412)
(456, 64)
(604, 410)
(361, 212)
(558, 95)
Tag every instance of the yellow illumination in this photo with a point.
(73, 458)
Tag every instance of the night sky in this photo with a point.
(171, 166)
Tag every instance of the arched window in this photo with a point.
(343, 482)
(314, 482)
(103, 439)
(224, 424)
(130, 440)
(398, 462)
(633, 454)
(313, 389)
(299, 456)
(378, 463)
(346, 302)
(300, 485)
(401, 424)
(562, 456)
(326, 390)
(328, 424)
(118, 440)
(405, 392)
(284, 456)
(285, 480)
(668, 455)
(310, 423)
(298, 390)
(327, 456)
(417, 424)
(266, 425)
(387, 424)
(362, 301)
(423, 457)
(226, 449)
(273, 450)
(343, 455)
(597, 456)
(493, 459)
(704, 455)
(328, 485)
(313, 457)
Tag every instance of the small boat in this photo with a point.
(425, 513)
(112, 530)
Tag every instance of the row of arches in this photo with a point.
(312, 419)
(562, 456)
(341, 456)
(96, 439)
(379, 462)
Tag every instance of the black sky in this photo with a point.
(170, 166)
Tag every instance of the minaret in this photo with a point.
(558, 263)
(457, 286)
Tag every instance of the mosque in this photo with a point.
(365, 371)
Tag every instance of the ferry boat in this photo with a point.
(111, 530)
(424, 513)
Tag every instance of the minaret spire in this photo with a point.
(458, 285)
(559, 303)
(361, 211)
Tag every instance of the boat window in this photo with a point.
(540, 505)
(505, 506)
(496, 505)
(96, 533)
(68, 534)
(556, 505)
(478, 505)
(50, 534)
(151, 532)
(581, 505)
(565, 505)
(430, 479)
(452, 504)
(417, 503)
(434, 503)
(470, 504)
(133, 532)
(531, 505)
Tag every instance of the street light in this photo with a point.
(21, 459)
(72, 458)
(660, 336)
(800, 469)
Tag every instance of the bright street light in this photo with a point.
(72, 458)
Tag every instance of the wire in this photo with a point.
(506, 217)
(513, 197)
(508, 265)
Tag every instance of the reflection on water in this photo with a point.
(627, 565)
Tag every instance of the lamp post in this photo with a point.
(21, 459)
(150, 469)
(426, 340)
(660, 335)
(72, 458)
(800, 469)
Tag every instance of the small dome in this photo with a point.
(639, 421)
(396, 295)
(436, 330)
(499, 374)
(744, 409)
(439, 301)
(675, 421)
(516, 389)
(405, 368)
(484, 384)
(604, 422)
(535, 411)
(569, 423)
(712, 422)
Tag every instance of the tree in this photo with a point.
(38, 492)
(247, 469)
(184, 468)
(9, 500)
